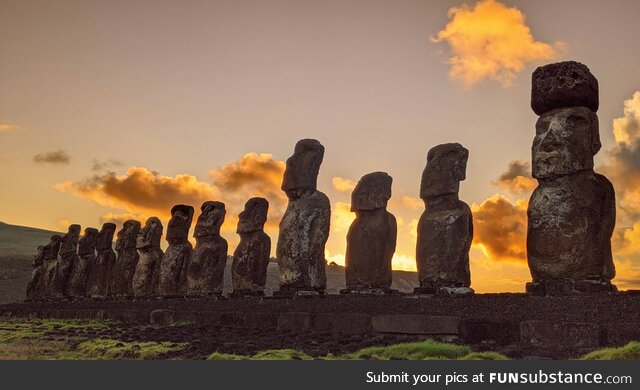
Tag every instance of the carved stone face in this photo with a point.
(210, 219)
(180, 223)
(70, 240)
(302, 170)
(105, 237)
(150, 234)
(87, 243)
(446, 168)
(52, 248)
(372, 192)
(254, 216)
(566, 141)
(128, 235)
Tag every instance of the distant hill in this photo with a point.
(18, 244)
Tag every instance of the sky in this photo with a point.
(117, 110)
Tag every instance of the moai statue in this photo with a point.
(98, 285)
(50, 260)
(205, 272)
(572, 212)
(67, 256)
(371, 240)
(304, 228)
(121, 278)
(445, 229)
(78, 282)
(251, 257)
(173, 276)
(147, 273)
(37, 275)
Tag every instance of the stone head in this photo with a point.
(180, 223)
(87, 243)
(372, 192)
(254, 215)
(150, 234)
(53, 247)
(105, 237)
(128, 235)
(301, 173)
(69, 242)
(446, 168)
(210, 220)
(566, 141)
(40, 253)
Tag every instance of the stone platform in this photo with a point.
(516, 324)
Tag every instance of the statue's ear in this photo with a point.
(595, 134)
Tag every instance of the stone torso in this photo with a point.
(205, 274)
(171, 269)
(304, 230)
(571, 220)
(145, 278)
(371, 242)
(250, 261)
(444, 239)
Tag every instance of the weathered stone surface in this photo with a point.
(445, 229)
(82, 267)
(205, 274)
(304, 228)
(416, 324)
(105, 260)
(563, 84)
(120, 281)
(37, 275)
(554, 334)
(147, 273)
(162, 317)
(66, 257)
(371, 240)
(50, 260)
(571, 214)
(251, 257)
(173, 278)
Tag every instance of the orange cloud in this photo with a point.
(341, 184)
(517, 178)
(341, 218)
(413, 203)
(490, 41)
(141, 192)
(5, 127)
(500, 228)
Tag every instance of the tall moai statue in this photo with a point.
(37, 275)
(50, 260)
(251, 257)
(147, 273)
(173, 278)
(67, 256)
(121, 278)
(98, 285)
(371, 240)
(304, 228)
(205, 270)
(572, 212)
(445, 229)
(78, 282)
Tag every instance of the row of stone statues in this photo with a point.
(571, 217)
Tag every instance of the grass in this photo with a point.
(13, 330)
(114, 349)
(630, 351)
(422, 350)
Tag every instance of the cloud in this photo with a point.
(56, 157)
(517, 178)
(341, 184)
(64, 224)
(500, 228)
(106, 165)
(341, 218)
(413, 203)
(490, 41)
(5, 128)
(140, 192)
